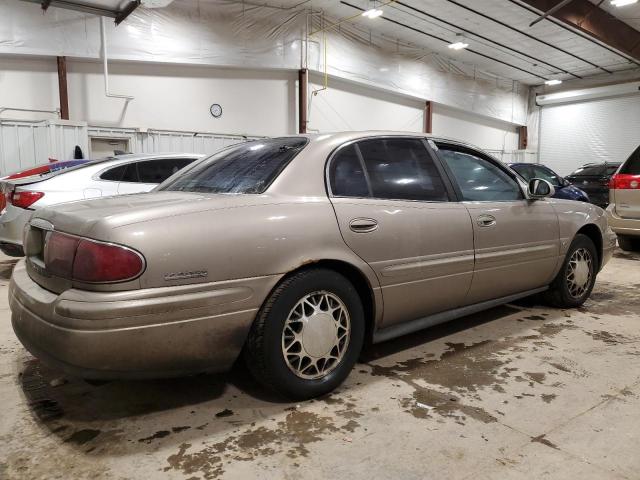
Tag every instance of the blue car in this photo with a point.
(564, 189)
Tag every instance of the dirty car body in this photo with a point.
(337, 223)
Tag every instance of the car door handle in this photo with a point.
(486, 221)
(363, 225)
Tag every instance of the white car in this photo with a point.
(119, 175)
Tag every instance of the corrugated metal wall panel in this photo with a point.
(593, 131)
(26, 144)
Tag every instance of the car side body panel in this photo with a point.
(224, 253)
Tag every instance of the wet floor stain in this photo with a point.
(224, 413)
(83, 436)
(292, 436)
(155, 436)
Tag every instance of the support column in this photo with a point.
(303, 86)
(428, 117)
(62, 87)
(522, 138)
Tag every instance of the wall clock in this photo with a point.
(216, 110)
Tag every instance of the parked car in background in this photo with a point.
(286, 249)
(563, 188)
(98, 178)
(594, 178)
(45, 168)
(624, 207)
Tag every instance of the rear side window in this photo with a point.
(401, 169)
(346, 175)
(479, 179)
(114, 174)
(632, 165)
(157, 171)
(245, 168)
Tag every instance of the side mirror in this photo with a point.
(539, 188)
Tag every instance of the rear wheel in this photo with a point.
(628, 244)
(308, 335)
(575, 280)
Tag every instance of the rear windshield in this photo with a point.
(245, 168)
(632, 165)
(588, 171)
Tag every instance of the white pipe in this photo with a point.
(32, 110)
(589, 93)
(103, 34)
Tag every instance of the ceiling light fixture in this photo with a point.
(555, 81)
(458, 46)
(372, 13)
(622, 3)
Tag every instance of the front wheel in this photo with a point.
(575, 280)
(308, 334)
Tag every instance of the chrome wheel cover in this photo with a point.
(316, 335)
(579, 272)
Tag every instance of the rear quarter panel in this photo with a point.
(238, 242)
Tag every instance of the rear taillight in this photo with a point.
(89, 261)
(100, 262)
(3, 201)
(24, 199)
(59, 254)
(625, 181)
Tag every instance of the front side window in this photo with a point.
(401, 169)
(244, 168)
(479, 179)
(546, 174)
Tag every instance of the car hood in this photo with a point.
(94, 218)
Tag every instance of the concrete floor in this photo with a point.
(520, 391)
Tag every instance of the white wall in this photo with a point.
(346, 106)
(481, 131)
(602, 130)
(169, 97)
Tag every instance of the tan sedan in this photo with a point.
(295, 251)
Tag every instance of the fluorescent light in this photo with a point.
(373, 13)
(458, 45)
(622, 3)
(555, 81)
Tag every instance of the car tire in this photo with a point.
(628, 244)
(292, 347)
(577, 276)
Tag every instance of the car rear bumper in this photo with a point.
(622, 226)
(147, 333)
(12, 224)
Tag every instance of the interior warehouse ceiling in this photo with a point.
(498, 32)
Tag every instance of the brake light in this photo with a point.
(86, 260)
(24, 199)
(625, 181)
(100, 262)
(3, 201)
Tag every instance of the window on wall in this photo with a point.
(478, 178)
(402, 169)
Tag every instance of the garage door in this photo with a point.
(593, 131)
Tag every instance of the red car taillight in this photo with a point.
(24, 199)
(85, 260)
(100, 262)
(3, 201)
(625, 181)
